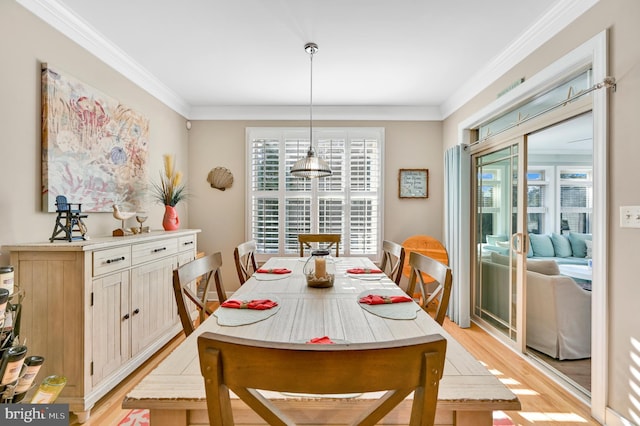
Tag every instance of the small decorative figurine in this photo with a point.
(122, 216)
(68, 221)
(140, 218)
(220, 178)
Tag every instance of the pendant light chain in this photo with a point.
(311, 166)
(312, 50)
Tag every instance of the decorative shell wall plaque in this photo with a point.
(220, 178)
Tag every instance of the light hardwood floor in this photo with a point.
(578, 370)
(543, 402)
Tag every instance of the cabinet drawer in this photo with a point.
(185, 257)
(187, 243)
(146, 252)
(110, 260)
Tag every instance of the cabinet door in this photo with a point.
(111, 324)
(153, 307)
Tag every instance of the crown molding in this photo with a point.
(71, 25)
(364, 113)
(79, 31)
(552, 22)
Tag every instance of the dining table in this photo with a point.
(174, 391)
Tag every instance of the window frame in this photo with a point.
(315, 194)
(552, 211)
(586, 183)
(548, 199)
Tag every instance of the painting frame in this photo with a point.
(413, 183)
(94, 149)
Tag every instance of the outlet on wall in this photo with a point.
(630, 216)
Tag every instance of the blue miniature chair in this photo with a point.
(68, 221)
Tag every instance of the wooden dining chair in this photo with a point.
(332, 240)
(392, 260)
(185, 289)
(441, 277)
(399, 367)
(245, 257)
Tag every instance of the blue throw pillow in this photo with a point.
(578, 246)
(542, 245)
(496, 249)
(561, 245)
(493, 239)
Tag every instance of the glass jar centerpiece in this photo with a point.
(320, 269)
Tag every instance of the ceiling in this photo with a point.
(570, 137)
(402, 59)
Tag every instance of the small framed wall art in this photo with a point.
(413, 183)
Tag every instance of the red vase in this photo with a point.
(170, 221)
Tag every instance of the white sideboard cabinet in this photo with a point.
(97, 309)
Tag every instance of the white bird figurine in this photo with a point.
(121, 215)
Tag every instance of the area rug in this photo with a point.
(141, 418)
(135, 418)
(501, 419)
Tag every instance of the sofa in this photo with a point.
(558, 309)
(573, 248)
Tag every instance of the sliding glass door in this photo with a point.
(498, 237)
(533, 237)
(561, 215)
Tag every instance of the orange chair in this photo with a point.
(429, 246)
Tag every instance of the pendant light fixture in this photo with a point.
(311, 166)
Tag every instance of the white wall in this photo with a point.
(221, 215)
(621, 18)
(26, 42)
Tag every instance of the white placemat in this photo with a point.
(367, 277)
(234, 317)
(270, 277)
(404, 311)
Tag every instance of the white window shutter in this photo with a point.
(348, 202)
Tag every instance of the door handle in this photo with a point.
(520, 242)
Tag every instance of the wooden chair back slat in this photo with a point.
(332, 240)
(392, 260)
(185, 279)
(245, 259)
(441, 275)
(397, 367)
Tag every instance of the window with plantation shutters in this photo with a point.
(349, 202)
(576, 199)
(559, 199)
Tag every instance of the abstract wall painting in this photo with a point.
(94, 149)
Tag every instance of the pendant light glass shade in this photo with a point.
(311, 166)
